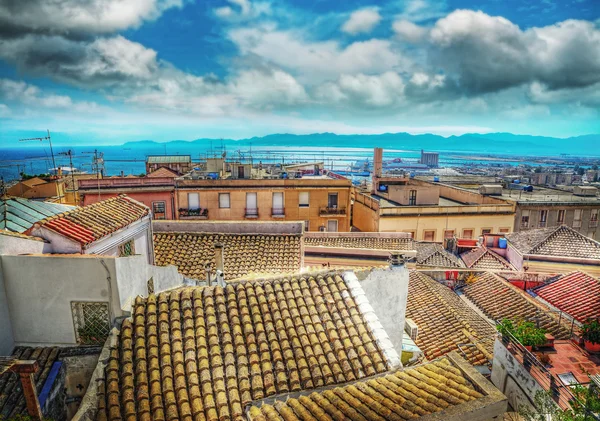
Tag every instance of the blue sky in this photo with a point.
(105, 71)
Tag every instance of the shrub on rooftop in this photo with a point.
(523, 331)
(590, 331)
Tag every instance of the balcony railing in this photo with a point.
(332, 210)
(577, 224)
(278, 212)
(251, 212)
(193, 213)
(542, 224)
(593, 224)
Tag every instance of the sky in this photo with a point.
(111, 71)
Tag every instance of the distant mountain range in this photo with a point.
(493, 143)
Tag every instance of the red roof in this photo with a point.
(577, 294)
(90, 223)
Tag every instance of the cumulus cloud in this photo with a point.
(409, 31)
(242, 10)
(361, 21)
(488, 53)
(316, 61)
(72, 17)
(385, 90)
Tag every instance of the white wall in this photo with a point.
(19, 245)
(39, 291)
(137, 231)
(58, 243)
(6, 334)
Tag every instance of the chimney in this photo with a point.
(377, 168)
(25, 369)
(208, 269)
(220, 266)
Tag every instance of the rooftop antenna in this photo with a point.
(41, 139)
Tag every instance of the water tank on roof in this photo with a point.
(436, 179)
(517, 181)
(412, 175)
(502, 243)
(528, 188)
(213, 175)
(284, 175)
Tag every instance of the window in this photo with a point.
(468, 234)
(224, 200)
(91, 322)
(303, 199)
(158, 210)
(251, 205)
(412, 198)
(332, 226)
(561, 217)
(594, 218)
(428, 235)
(332, 200)
(524, 221)
(504, 230)
(543, 217)
(278, 204)
(306, 225)
(448, 234)
(127, 249)
(485, 231)
(577, 218)
(193, 201)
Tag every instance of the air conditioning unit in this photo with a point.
(411, 328)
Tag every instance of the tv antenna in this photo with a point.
(41, 139)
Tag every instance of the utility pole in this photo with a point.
(41, 139)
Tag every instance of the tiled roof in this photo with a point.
(498, 299)
(18, 214)
(373, 243)
(577, 294)
(243, 253)
(444, 321)
(485, 259)
(12, 400)
(401, 395)
(163, 172)
(562, 241)
(92, 222)
(19, 235)
(434, 254)
(205, 353)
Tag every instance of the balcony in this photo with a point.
(193, 213)
(593, 224)
(332, 211)
(251, 213)
(278, 212)
(542, 224)
(577, 223)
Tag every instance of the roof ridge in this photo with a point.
(565, 228)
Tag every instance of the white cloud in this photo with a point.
(422, 10)
(362, 21)
(314, 62)
(267, 89)
(242, 10)
(90, 16)
(360, 90)
(409, 31)
(4, 110)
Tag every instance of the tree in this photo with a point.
(586, 402)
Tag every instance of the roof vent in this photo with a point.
(411, 328)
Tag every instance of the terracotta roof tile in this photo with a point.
(12, 400)
(444, 321)
(434, 254)
(243, 253)
(577, 294)
(498, 299)
(373, 243)
(205, 353)
(92, 222)
(401, 395)
(485, 259)
(562, 241)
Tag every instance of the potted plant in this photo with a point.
(590, 332)
(529, 335)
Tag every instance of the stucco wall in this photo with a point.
(39, 290)
(18, 245)
(511, 378)
(6, 333)
(58, 243)
(138, 231)
(387, 290)
(514, 257)
(365, 218)
(234, 227)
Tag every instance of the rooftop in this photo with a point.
(12, 400)
(498, 299)
(168, 159)
(243, 253)
(541, 195)
(431, 388)
(562, 241)
(206, 353)
(90, 223)
(18, 215)
(446, 323)
(396, 243)
(485, 259)
(576, 293)
(434, 254)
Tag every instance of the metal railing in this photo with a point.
(278, 211)
(593, 224)
(251, 212)
(331, 210)
(542, 224)
(193, 213)
(560, 393)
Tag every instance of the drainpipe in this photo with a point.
(219, 263)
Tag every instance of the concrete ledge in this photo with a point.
(230, 227)
(318, 234)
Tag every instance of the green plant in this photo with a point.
(523, 331)
(590, 331)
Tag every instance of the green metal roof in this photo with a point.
(18, 215)
(168, 159)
